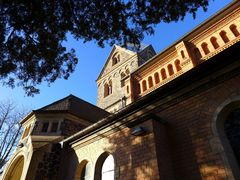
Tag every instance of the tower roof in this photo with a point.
(75, 106)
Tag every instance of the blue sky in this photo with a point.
(92, 58)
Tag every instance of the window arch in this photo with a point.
(197, 53)
(115, 58)
(234, 30)
(205, 48)
(144, 85)
(16, 169)
(83, 171)
(150, 82)
(123, 74)
(108, 88)
(214, 42)
(224, 37)
(163, 74)
(156, 78)
(178, 65)
(127, 71)
(170, 70)
(226, 128)
(105, 167)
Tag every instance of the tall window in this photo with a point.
(86, 171)
(108, 168)
(232, 130)
(104, 169)
(108, 88)
(115, 58)
(83, 171)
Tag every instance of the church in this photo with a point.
(173, 115)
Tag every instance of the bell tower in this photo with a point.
(114, 82)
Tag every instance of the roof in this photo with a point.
(190, 81)
(75, 106)
(131, 49)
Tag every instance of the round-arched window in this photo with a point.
(108, 168)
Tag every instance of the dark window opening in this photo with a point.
(54, 127)
(232, 130)
(45, 127)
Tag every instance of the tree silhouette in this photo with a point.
(32, 32)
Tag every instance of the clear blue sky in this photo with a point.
(92, 58)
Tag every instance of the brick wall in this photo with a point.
(190, 131)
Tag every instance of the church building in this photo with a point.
(173, 115)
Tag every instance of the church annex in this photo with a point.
(173, 115)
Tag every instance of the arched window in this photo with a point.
(205, 48)
(105, 166)
(123, 74)
(234, 30)
(150, 82)
(156, 78)
(227, 131)
(138, 88)
(214, 42)
(163, 74)
(197, 53)
(177, 65)
(108, 168)
(16, 169)
(232, 130)
(170, 70)
(182, 54)
(115, 58)
(127, 89)
(127, 71)
(224, 37)
(108, 88)
(144, 85)
(83, 171)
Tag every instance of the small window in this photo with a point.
(182, 54)
(177, 65)
(170, 70)
(205, 48)
(127, 89)
(214, 42)
(156, 78)
(234, 30)
(150, 82)
(45, 127)
(224, 37)
(163, 74)
(54, 127)
(144, 85)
